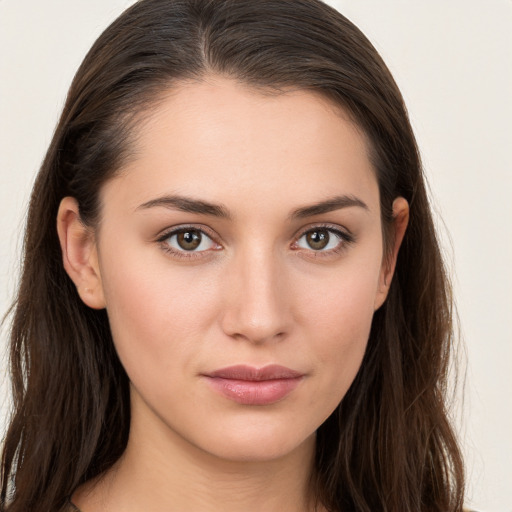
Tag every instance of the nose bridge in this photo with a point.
(257, 306)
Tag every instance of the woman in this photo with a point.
(232, 295)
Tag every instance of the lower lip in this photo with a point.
(250, 392)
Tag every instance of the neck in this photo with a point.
(161, 471)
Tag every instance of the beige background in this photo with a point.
(453, 62)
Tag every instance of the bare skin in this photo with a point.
(283, 265)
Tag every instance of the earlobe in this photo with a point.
(400, 221)
(79, 254)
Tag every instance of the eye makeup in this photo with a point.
(193, 242)
(323, 241)
(188, 242)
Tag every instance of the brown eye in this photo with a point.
(318, 239)
(189, 240)
(323, 239)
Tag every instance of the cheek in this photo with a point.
(156, 313)
(339, 327)
(165, 317)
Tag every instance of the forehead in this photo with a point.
(230, 141)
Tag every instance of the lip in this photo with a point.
(248, 385)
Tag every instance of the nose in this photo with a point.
(257, 300)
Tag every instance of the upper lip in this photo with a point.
(250, 373)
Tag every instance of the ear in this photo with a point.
(400, 221)
(79, 254)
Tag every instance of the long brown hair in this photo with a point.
(389, 445)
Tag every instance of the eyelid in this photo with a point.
(346, 236)
(167, 232)
(336, 228)
(175, 230)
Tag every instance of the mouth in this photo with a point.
(254, 386)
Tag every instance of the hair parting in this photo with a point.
(389, 445)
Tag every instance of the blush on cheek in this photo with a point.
(154, 316)
(344, 327)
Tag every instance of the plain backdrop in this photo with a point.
(453, 62)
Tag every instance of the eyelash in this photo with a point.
(186, 255)
(344, 236)
(345, 239)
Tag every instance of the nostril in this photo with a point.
(258, 337)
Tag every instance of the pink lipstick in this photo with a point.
(254, 386)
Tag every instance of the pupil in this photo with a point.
(189, 240)
(318, 239)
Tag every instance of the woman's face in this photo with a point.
(240, 259)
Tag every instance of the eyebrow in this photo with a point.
(191, 205)
(329, 205)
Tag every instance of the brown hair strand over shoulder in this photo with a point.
(389, 445)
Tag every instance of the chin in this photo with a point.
(259, 444)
